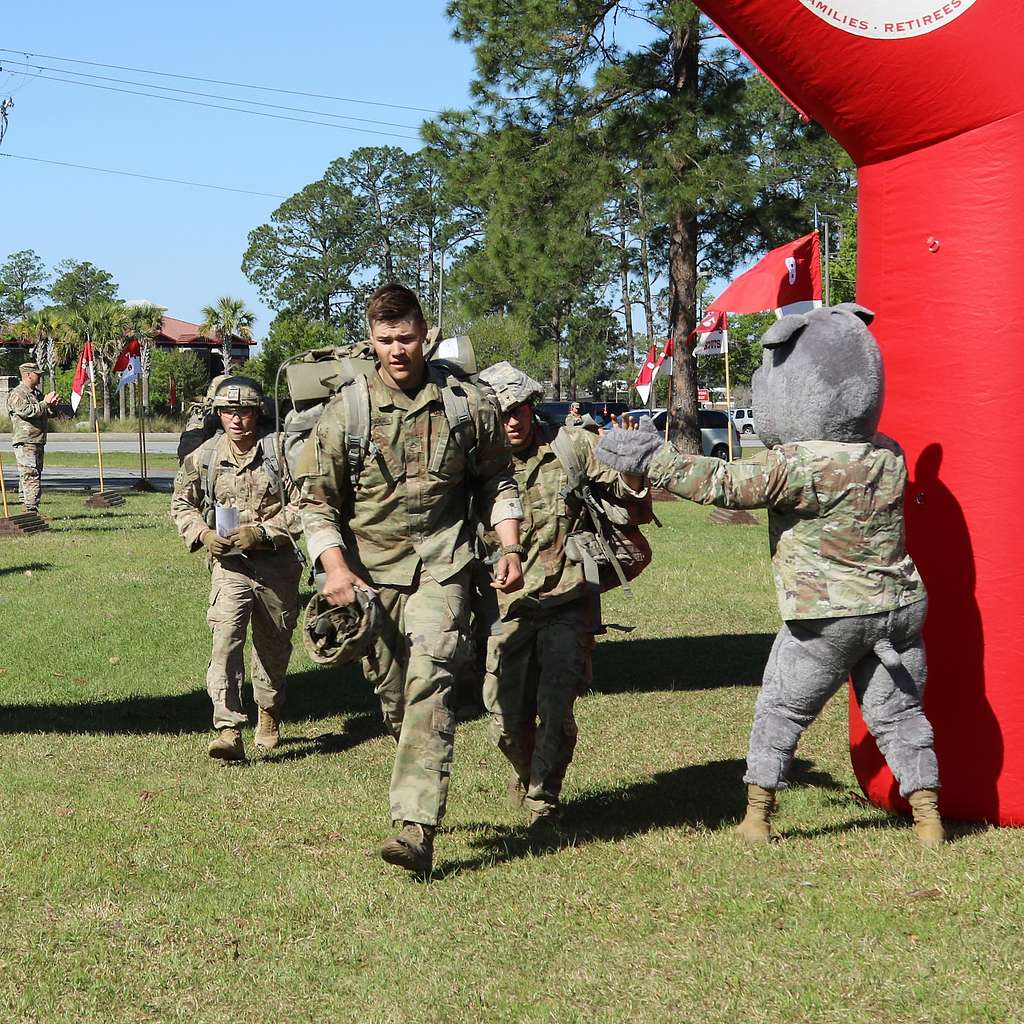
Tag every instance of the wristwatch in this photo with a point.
(512, 549)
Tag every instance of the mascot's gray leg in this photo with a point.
(889, 683)
(810, 660)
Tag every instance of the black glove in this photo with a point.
(630, 451)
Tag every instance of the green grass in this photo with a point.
(111, 460)
(140, 882)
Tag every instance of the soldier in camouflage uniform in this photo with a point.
(401, 528)
(573, 417)
(29, 410)
(539, 660)
(255, 568)
(850, 596)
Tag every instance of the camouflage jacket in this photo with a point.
(410, 505)
(835, 521)
(240, 481)
(549, 578)
(29, 414)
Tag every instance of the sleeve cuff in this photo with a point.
(320, 540)
(506, 508)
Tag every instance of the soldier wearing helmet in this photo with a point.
(227, 500)
(538, 660)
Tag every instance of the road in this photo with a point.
(156, 444)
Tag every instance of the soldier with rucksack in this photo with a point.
(227, 499)
(387, 476)
(580, 536)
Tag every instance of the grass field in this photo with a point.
(140, 882)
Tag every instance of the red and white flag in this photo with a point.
(645, 378)
(712, 334)
(787, 280)
(83, 375)
(665, 359)
(129, 364)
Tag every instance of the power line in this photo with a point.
(147, 177)
(237, 110)
(207, 95)
(217, 81)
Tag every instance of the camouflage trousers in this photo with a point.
(812, 658)
(29, 458)
(262, 590)
(412, 669)
(536, 668)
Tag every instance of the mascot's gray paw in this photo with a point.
(630, 451)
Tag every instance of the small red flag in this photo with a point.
(645, 377)
(83, 373)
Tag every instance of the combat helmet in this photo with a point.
(340, 635)
(238, 393)
(510, 386)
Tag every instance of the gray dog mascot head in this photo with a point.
(820, 378)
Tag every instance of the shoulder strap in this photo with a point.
(565, 452)
(208, 476)
(356, 396)
(268, 442)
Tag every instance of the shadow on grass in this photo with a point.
(10, 570)
(681, 663)
(710, 795)
(312, 696)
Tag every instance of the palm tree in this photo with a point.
(105, 324)
(225, 321)
(42, 327)
(145, 323)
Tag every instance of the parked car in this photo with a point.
(744, 420)
(714, 430)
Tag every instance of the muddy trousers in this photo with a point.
(412, 669)
(536, 667)
(812, 658)
(29, 458)
(261, 591)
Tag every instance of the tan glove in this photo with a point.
(217, 545)
(248, 538)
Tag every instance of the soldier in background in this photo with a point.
(573, 417)
(397, 523)
(538, 662)
(255, 567)
(202, 421)
(29, 410)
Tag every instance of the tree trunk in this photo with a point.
(645, 264)
(627, 305)
(556, 370)
(682, 262)
(122, 409)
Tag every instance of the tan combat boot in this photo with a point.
(755, 827)
(227, 745)
(412, 848)
(268, 729)
(927, 823)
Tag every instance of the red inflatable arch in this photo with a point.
(927, 97)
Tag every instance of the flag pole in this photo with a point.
(728, 398)
(671, 389)
(96, 418)
(3, 488)
(141, 411)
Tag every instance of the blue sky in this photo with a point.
(181, 246)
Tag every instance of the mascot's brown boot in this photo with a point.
(927, 823)
(755, 827)
(227, 746)
(268, 729)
